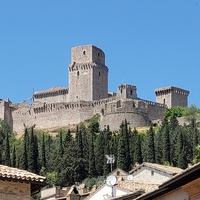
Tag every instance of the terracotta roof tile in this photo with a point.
(18, 174)
(164, 168)
(53, 89)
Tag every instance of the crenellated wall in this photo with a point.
(88, 95)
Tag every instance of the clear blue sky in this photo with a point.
(148, 43)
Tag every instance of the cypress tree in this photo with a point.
(14, 157)
(138, 150)
(107, 150)
(68, 138)
(166, 142)
(7, 151)
(99, 153)
(133, 145)
(79, 143)
(24, 159)
(44, 163)
(36, 154)
(121, 153)
(60, 146)
(126, 134)
(92, 166)
(31, 153)
(158, 147)
(85, 142)
(182, 163)
(150, 145)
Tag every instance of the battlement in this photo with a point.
(172, 96)
(87, 53)
(88, 95)
(171, 89)
(85, 66)
(127, 91)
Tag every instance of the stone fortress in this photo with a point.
(88, 95)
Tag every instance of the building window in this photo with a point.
(98, 54)
(164, 101)
(119, 104)
(84, 52)
(152, 173)
(99, 73)
(77, 73)
(131, 92)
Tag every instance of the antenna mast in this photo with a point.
(110, 160)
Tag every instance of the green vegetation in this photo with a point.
(67, 159)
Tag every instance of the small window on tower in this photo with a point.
(164, 101)
(131, 92)
(77, 73)
(98, 54)
(99, 73)
(84, 52)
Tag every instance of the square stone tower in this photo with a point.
(88, 75)
(172, 96)
(127, 91)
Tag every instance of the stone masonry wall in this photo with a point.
(113, 111)
(14, 190)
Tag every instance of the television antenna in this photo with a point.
(110, 160)
(130, 177)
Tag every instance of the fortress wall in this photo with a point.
(154, 110)
(56, 115)
(1, 109)
(134, 119)
(52, 99)
(179, 99)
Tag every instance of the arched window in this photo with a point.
(98, 54)
(84, 52)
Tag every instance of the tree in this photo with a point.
(166, 141)
(24, 159)
(121, 153)
(7, 151)
(92, 166)
(124, 161)
(150, 145)
(99, 153)
(181, 152)
(138, 150)
(32, 153)
(14, 157)
(44, 162)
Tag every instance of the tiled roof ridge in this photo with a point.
(19, 174)
(52, 89)
(164, 168)
(111, 173)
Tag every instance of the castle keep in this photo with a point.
(88, 95)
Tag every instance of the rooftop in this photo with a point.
(16, 174)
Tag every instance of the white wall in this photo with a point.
(175, 195)
(106, 192)
(150, 176)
